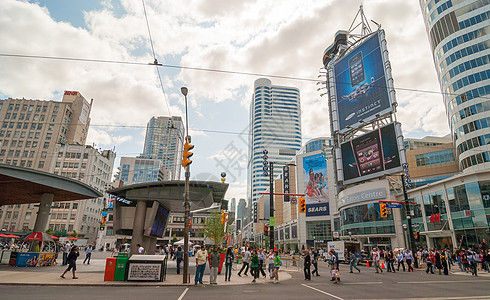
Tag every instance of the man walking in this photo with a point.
(66, 250)
(353, 262)
(201, 257)
(376, 261)
(88, 254)
(409, 258)
(400, 261)
(245, 263)
(213, 266)
(261, 262)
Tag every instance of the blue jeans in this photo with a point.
(228, 271)
(199, 273)
(88, 256)
(178, 265)
(65, 257)
(353, 265)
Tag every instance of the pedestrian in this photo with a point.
(315, 264)
(334, 271)
(66, 251)
(245, 263)
(270, 262)
(409, 259)
(430, 262)
(140, 248)
(229, 257)
(179, 255)
(88, 254)
(472, 262)
(400, 261)
(391, 261)
(213, 266)
(307, 265)
(201, 257)
(72, 262)
(261, 255)
(438, 261)
(277, 265)
(353, 262)
(444, 261)
(254, 265)
(376, 258)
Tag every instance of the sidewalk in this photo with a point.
(93, 275)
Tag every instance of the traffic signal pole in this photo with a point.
(411, 240)
(186, 195)
(271, 204)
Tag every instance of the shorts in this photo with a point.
(72, 265)
(276, 267)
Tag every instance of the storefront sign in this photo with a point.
(144, 271)
(318, 209)
(374, 194)
(285, 182)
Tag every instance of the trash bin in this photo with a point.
(121, 262)
(110, 268)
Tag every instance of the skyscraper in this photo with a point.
(275, 126)
(458, 33)
(164, 141)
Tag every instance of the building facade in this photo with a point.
(164, 141)
(275, 126)
(458, 35)
(134, 170)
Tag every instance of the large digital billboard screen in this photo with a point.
(371, 155)
(361, 85)
(316, 185)
(160, 222)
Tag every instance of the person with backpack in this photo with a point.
(72, 262)
(277, 265)
(470, 256)
(334, 270)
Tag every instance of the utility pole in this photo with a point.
(184, 91)
(271, 204)
(411, 240)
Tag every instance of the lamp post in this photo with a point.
(184, 91)
(410, 238)
(405, 226)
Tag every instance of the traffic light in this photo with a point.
(416, 235)
(266, 229)
(302, 205)
(187, 154)
(224, 217)
(383, 211)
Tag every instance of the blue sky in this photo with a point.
(265, 37)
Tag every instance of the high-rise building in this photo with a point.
(275, 126)
(134, 170)
(458, 35)
(164, 141)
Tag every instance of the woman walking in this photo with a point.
(254, 264)
(315, 264)
(270, 261)
(277, 264)
(229, 257)
(72, 262)
(307, 260)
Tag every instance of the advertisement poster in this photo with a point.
(27, 259)
(46, 259)
(316, 185)
(371, 155)
(361, 85)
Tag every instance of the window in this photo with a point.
(46, 145)
(41, 164)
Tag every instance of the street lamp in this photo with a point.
(350, 236)
(184, 91)
(405, 226)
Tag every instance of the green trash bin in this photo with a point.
(121, 263)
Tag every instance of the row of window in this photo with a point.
(25, 107)
(462, 39)
(472, 126)
(470, 50)
(433, 158)
(470, 79)
(470, 111)
(468, 65)
(474, 20)
(467, 96)
(476, 159)
(440, 9)
(473, 143)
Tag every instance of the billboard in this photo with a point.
(159, 222)
(371, 155)
(316, 185)
(361, 85)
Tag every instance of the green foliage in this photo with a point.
(49, 231)
(74, 234)
(214, 229)
(174, 240)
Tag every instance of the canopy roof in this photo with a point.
(20, 185)
(170, 193)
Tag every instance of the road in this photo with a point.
(364, 285)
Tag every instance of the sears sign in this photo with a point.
(317, 209)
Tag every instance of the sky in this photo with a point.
(281, 38)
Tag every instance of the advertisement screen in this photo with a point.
(361, 85)
(160, 222)
(371, 155)
(316, 185)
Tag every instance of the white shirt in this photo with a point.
(141, 250)
(67, 248)
(246, 257)
(375, 255)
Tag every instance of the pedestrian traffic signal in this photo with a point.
(266, 229)
(416, 235)
(383, 211)
(187, 154)
(302, 205)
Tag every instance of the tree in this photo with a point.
(214, 229)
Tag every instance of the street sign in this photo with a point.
(393, 205)
(272, 221)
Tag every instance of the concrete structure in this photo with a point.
(134, 170)
(20, 185)
(164, 141)
(459, 42)
(275, 126)
(132, 218)
(430, 159)
(463, 205)
(86, 164)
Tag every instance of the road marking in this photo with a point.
(372, 282)
(323, 292)
(441, 298)
(183, 294)
(441, 281)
